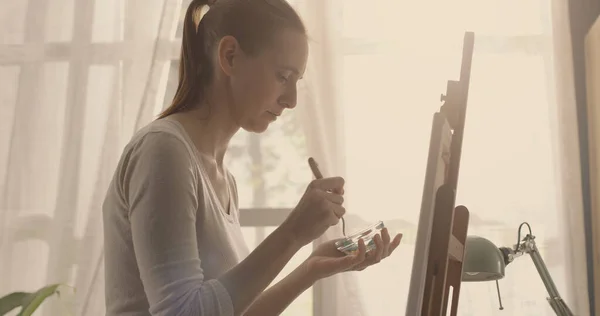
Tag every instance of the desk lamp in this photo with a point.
(486, 262)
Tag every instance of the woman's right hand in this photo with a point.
(319, 208)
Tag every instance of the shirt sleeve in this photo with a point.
(161, 187)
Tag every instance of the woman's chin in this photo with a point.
(256, 127)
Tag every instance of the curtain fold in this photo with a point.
(321, 114)
(592, 68)
(567, 133)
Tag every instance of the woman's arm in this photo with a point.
(252, 276)
(277, 298)
(161, 189)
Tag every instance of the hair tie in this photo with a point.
(200, 10)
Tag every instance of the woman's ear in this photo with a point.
(228, 52)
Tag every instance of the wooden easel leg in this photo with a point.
(446, 255)
(454, 269)
(437, 265)
(459, 231)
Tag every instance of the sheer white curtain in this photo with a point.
(323, 118)
(391, 61)
(76, 79)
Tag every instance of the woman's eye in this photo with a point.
(283, 78)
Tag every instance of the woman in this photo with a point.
(172, 236)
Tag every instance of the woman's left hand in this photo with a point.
(326, 260)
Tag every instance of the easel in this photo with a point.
(450, 224)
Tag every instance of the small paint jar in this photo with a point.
(349, 244)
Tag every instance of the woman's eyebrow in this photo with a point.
(293, 70)
(290, 68)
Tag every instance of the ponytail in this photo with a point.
(194, 71)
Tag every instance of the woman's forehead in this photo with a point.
(289, 49)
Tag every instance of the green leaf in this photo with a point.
(34, 300)
(11, 301)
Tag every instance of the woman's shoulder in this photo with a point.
(158, 131)
(158, 136)
(158, 144)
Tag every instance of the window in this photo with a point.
(397, 58)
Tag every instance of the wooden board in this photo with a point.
(437, 164)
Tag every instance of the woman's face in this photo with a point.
(264, 85)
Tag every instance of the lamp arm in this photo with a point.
(556, 302)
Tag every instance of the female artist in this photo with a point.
(172, 235)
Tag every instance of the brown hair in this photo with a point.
(252, 22)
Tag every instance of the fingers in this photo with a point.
(378, 255)
(333, 202)
(395, 243)
(361, 254)
(337, 186)
(338, 211)
(350, 262)
(384, 248)
(332, 197)
(339, 191)
(385, 237)
(334, 184)
(372, 257)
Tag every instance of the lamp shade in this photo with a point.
(483, 261)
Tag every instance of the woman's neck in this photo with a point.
(211, 126)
